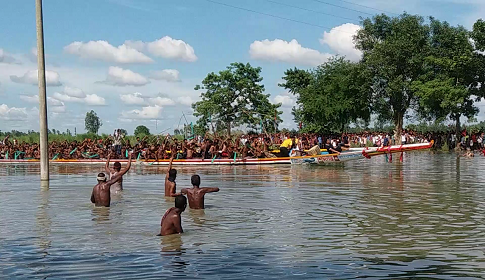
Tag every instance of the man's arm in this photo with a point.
(106, 167)
(121, 173)
(177, 223)
(92, 197)
(183, 191)
(128, 166)
(208, 190)
(170, 164)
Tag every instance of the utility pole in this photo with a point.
(44, 147)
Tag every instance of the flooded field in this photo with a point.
(421, 218)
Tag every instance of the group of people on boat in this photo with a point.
(157, 147)
(165, 147)
(111, 183)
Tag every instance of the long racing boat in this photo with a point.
(352, 154)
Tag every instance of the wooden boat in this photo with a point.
(353, 154)
(359, 153)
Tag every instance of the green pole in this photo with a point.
(214, 158)
(235, 154)
(6, 155)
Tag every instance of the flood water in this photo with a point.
(423, 218)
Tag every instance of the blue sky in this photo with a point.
(134, 62)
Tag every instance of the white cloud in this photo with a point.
(290, 52)
(133, 99)
(286, 100)
(161, 101)
(90, 99)
(149, 112)
(74, 92)
(185, 100)
(95, 100)
(137, 45)
(7, 58)
(30, 98)
(167, 47)
(30, 77)
(123, 77)
(169, 75)
(57, 109)
(340, 40)
(66, 98)
(12, 113)
(35, 100)
(102, 50)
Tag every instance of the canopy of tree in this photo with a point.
(233, 97)
(92, 122)
(331, 96)
(142, 130)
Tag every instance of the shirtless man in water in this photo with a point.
(196, 194)
(172, 221)
(170, 185)
(118, 185)
(101, 195)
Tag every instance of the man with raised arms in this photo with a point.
(101, 195)
(172, 221)
(118, 185)
(196, 194)
(170, 184)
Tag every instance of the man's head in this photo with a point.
(195, 180)
(101, 178)
(172, 173)
(117, 166)
(181, 202)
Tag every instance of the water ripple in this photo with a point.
(424, 218)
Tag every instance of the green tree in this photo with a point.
(142, 130)
(234, 97)
(478, 34)
(92, 122)
(450, 86)
(123, 131)
(330, 97)
(394, 52)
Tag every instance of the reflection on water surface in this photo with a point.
(421, 218)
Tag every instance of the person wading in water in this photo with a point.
(118, 185)
(170, 184)
(172, 221)
(101, 195)
(196, 194)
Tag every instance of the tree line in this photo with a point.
(411, 67)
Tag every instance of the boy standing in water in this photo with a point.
(196, 194)
(118, 185)
(172, 220)
(170, 185)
